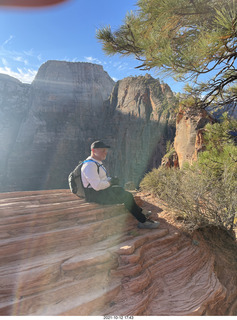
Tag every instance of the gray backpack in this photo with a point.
(75, 181)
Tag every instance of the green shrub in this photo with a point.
(203, 193)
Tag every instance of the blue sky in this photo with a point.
(29, 37)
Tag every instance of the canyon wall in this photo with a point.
(48, 126)
(14, 105)
(141, 120)
(60, 115)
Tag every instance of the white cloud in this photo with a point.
(8, 40)
(21, 59)
(21, 65)
(92, 60)
(29, 52)
(4, 62)
(24, 75)
(121, 66)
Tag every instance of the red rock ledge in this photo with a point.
(63, 256)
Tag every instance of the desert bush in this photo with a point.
(203, 193)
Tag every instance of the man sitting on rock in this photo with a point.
(102, 189)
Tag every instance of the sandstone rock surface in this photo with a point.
(63, 256)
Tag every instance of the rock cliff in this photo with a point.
(62, 256)
(13, 110)
(48, 126)
(67, 104)
(141, 120)
(188, 140)
(60, 115)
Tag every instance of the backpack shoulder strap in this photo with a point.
(98, 168)
(91, 160)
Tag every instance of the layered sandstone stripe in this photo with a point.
(63, 256)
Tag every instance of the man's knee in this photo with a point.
(128, 196)
(121, 194)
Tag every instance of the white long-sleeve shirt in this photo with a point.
(91, 177)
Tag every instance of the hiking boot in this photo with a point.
(148, 224)
(146, 213)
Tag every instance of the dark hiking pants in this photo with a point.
(116, 195)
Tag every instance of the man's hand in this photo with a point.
(114, 181)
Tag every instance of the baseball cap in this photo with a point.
(98, 144)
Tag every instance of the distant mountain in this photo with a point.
(48, 126)
(140, 114)
(218, 111)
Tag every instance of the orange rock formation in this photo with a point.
(188, 142)
(63, 256)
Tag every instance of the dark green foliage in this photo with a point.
(185, 39)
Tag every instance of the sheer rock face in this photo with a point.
(63, 256)
(13, 110)
(61, 111)
(53, 121)
(189, 134)
(141, 121)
